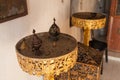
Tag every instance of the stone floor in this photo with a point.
(111, 71)
(112, 68)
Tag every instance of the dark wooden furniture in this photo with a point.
(99, 45)
(88, 66)
(114, 26)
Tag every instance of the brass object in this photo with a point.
(54, 31)
(88, 21)
(88, 66)
(36, 44)
(52, 60)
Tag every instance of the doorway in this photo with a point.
(101, 34)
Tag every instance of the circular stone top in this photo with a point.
(49, 49)
(89, 15)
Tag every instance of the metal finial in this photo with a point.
(34, 31)
(36, 43)
(54, 31)
(54, 20)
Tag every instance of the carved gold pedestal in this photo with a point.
(52, 60)
(88, 21)
(48, 77)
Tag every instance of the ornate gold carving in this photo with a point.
(48, 66)
(87, 25)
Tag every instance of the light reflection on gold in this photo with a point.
(48, 67)
(87, 25)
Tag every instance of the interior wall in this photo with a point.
(10, 33)
(40, 17)
(41, 14)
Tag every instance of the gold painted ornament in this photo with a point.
(88, 21)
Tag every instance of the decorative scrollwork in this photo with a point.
(54, 66)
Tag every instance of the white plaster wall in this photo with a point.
(40, 17)
(42, 12)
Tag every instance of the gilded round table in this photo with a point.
(54, 57)
(88, 21)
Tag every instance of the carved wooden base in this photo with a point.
(81, 72)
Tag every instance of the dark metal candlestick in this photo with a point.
(36, 44)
